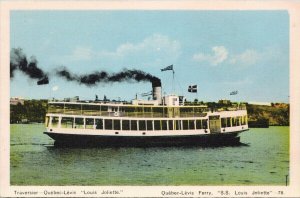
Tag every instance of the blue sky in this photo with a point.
(220, 51)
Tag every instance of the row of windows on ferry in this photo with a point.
(132, 111)
(234, 121)
(115, 124)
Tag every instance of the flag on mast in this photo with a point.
(170, 67)
(192, 89)
(234, 93)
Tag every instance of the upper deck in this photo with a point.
(131, 110)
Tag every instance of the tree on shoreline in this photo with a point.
(276, 114)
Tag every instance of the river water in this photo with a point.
(262, 159)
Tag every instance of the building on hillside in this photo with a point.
(224, 101)
(74, 99)
(16, 100)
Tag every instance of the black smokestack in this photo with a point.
(18, 61)
(104, 77)
(156, 82)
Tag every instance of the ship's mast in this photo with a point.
(173, 81)
(170, 67)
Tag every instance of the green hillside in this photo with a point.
(275, 115)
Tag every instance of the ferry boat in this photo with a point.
(162, 121)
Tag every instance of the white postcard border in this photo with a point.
(293, 9)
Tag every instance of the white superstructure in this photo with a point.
(159, 118)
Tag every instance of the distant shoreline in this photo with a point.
(259, 116)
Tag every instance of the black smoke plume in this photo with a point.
(18, 61)
(97, 77)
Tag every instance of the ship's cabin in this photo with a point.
(127, 110)
(168, 100)
(142, 117)
(215, 124)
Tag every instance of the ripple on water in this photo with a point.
(245, 181)
(247, 161)
(137, 166)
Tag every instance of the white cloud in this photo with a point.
(245, 58)
(82, 53)
(248, 57)
(155, 48)
(219, 55)
(55, 88)
(156, 44)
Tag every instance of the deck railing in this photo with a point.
(155, 112)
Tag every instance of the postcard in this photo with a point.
(149, 99)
